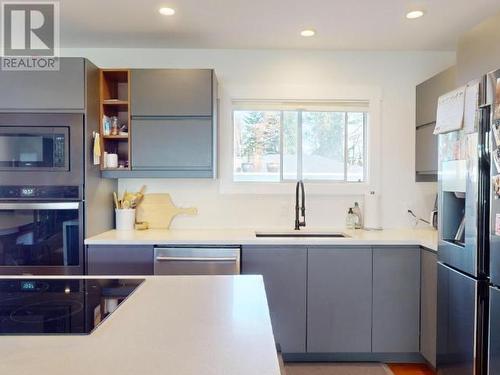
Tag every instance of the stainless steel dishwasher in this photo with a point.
(203, 260)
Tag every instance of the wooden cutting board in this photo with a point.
(158, 211)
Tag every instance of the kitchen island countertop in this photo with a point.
(414, 237)
(182, 325)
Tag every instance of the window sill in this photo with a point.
(286, 188)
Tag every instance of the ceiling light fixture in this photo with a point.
(308, 32)
(167, 11)
(414, 14)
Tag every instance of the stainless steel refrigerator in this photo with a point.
(493, 101)
(464, 205)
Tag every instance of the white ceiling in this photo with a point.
(341, 25)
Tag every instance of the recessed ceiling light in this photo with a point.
(414, 14)
(167, 11)
(308, 32)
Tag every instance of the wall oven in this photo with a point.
(41, 149)
(41, 230)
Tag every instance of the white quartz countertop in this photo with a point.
(420, 237)
(178, 325)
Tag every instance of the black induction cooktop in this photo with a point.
(59, 306)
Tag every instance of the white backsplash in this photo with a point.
(217, 210)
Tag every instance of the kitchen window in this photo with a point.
(287, 142)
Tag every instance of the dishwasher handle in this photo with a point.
(196, 259)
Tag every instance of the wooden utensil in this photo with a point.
(115, 198)
(158, 211)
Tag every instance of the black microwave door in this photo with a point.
(32, 149)
(41, 238)
(41, 149)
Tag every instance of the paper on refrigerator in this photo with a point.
(471, 106)
(450, 112)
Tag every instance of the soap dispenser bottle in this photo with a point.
(351, 219)
(357, 211)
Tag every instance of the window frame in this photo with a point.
(320, 106)
(231, 92)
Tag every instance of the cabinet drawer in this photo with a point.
(172, 144)
(171, 92)
(119, 260)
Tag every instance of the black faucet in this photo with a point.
(298, 209)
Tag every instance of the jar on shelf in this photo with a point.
(115, 127)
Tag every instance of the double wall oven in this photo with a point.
(41, 193)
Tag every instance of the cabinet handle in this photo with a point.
(40, 206)
(196, 259)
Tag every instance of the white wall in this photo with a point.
(393, 74)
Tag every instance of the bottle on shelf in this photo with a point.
(115, 128)
(106, 125)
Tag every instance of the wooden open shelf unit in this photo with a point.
(115, 101)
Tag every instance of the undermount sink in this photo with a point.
(302, 234)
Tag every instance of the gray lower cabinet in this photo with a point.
(171, 92)
(172, 144)
(428, 305)
(326, 299)
(119, 260)
(339, 306)
(284, 271)
(396, 299)
(63, 89)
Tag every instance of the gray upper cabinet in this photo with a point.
(428, 92)
(172, 144)
(426, 148)
(396, 299)
(428, 308)
(119, 260)
(172, 92)
(174, 124)
(426, 158)
(61, 90)
(339, 300)
(284, 272)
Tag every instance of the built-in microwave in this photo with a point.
(34, 148)
(41, 149)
